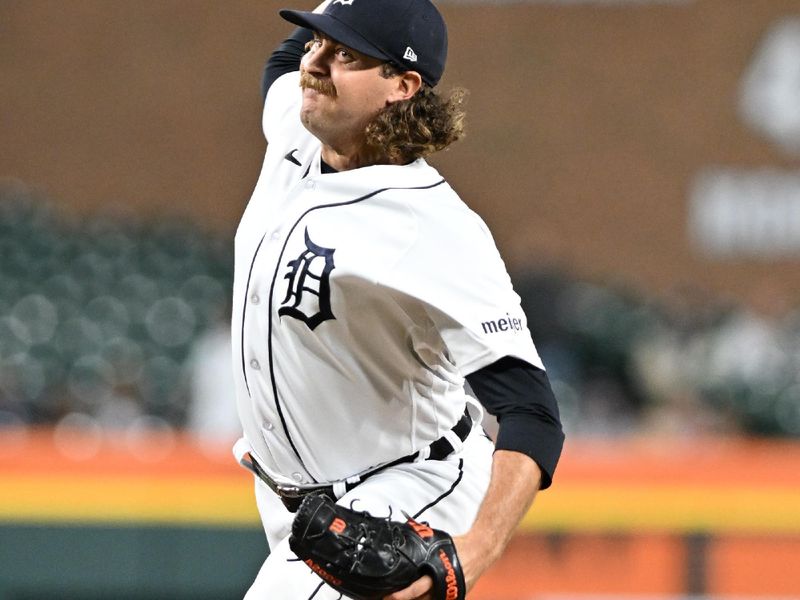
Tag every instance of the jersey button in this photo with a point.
(298, 477)
(275, 235)
(254, 364)
(268, 426)
(310, 184)
(255, 299)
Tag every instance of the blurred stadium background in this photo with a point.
(639, 164)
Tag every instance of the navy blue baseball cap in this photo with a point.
(410, 34)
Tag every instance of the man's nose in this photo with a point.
(314, 61)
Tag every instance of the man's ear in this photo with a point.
(406, 85)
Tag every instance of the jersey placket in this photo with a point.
(261, 305)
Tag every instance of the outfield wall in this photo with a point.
(142, 517)
(589, 122)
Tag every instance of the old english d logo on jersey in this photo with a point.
(308, 296)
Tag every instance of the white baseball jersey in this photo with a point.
(361, 299)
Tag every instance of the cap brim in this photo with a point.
(334, 29)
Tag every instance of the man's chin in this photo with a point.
(307, 118)
(313, 101)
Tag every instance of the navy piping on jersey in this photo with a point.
(447, 493)
(314, 593)
(278, 264)
(244, 308)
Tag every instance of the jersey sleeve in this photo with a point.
(285, 59)
(281, 119)
(454, 270)
(283, 97)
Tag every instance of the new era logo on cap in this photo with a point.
(410, 54)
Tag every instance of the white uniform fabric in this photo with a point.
(361, 300)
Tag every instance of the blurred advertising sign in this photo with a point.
(741, 214)
(736, 213)
(770, 89)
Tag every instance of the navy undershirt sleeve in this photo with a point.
(286, 58)
(520, 396)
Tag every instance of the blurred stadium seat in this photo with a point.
(99, 316)
(101, 312)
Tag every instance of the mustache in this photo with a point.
(323, 87)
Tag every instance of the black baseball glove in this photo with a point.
(367, 558)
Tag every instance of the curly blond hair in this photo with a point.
(417, 127)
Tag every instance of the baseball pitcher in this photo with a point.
(374, 322)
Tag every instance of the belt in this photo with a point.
(292, 496)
